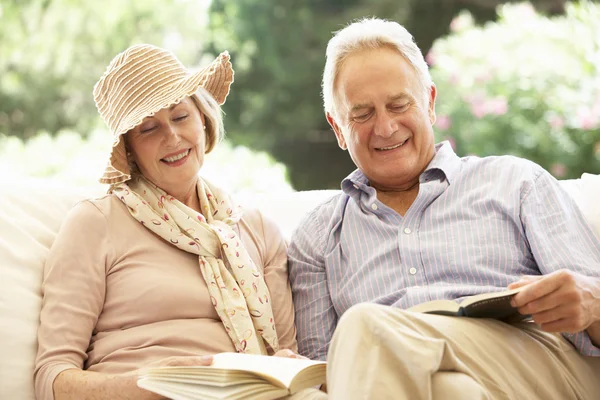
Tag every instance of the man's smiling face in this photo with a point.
(384, 117)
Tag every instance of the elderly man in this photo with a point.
(415, 223)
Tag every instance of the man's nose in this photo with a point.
(385, 126)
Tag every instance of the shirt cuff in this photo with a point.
(583, 343)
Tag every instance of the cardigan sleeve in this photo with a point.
(73, 290)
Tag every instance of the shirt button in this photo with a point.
(374, 206)
(407, 231)
(412, 271)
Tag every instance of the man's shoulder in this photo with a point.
(324, 215)
(329, 205)
(504, 166)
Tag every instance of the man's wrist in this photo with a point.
(594, 333)
(594, 329)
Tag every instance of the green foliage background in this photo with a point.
(525, 85)
(53, 51)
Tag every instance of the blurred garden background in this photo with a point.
(518, 78)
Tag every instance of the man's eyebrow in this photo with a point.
(359, 107)
(399, 96)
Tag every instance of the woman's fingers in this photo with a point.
(186, 361)
(287, 353)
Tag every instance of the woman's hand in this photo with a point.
(75, 384)
(287, 353)
(176, 361)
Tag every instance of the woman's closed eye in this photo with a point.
(180, 117)
(147, 129)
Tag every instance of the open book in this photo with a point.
(487, 305)
(235, 376)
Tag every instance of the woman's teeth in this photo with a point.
(177, 157)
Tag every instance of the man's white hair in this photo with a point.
(370, 33)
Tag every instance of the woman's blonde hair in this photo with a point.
(207, 105)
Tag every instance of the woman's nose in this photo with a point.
(172, 134)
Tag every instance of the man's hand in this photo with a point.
(563, 301)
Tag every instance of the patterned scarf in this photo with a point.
(237, 288)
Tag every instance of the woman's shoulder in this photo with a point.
(106, 207)
(257, 220)
(260, 224)
(252, 219)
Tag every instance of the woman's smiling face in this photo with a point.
(168, 147)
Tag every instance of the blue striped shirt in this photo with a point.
(476, 226)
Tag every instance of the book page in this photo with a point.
(191, 391)
(276, 369)
(445, 307)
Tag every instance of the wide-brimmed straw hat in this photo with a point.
(141, 81)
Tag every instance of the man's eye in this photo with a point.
(362, 117)
(399, 107)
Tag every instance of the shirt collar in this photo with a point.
(444, 160)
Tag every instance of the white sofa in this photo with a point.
(31, 212)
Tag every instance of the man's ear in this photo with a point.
(338, 131)
(431, 107)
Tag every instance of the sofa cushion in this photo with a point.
(287, 209)
(586, 193)
(31, 212)
(30, 215)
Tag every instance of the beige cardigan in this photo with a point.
(117, 297)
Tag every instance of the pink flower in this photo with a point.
(480, 106)
(586, 118)
(498, 105)
(559, 170)
(478, 109)
(430, 57)
(476, 101)
(526, 11)
(443, 122)
(483, 78)
(461, 22)
(556, 122)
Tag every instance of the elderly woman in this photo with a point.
(165, 269)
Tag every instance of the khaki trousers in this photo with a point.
(380, 352)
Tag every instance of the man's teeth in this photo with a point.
(392, 147)
(177, 157)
